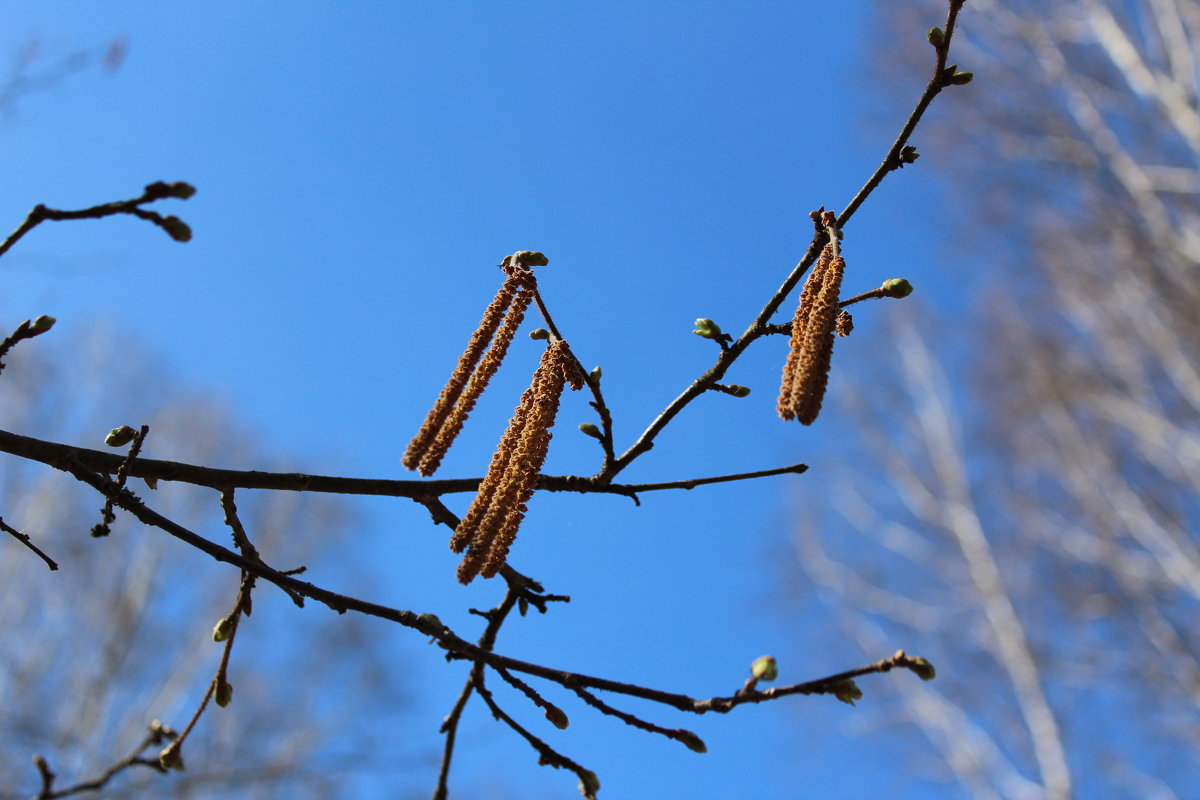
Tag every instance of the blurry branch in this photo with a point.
(157, 735)
(24, 539)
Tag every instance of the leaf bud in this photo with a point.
(557, 717)
(596, 373)
(526, 258)
(936, 37)
(739, 391)
(707, 328)
(908, 155)
(922, 668)
(170, 758)
(847, 691)
(223, 694)
(962, 78)
(896, 287)
(589, 784)
(42, 324)
(177, 229)
(430, 619)
(180, 189)
(119, 437)
(764, 668)
(222, 629)
(590, 429)
(539, 334)
(691, 741)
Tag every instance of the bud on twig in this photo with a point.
(590, 429)
(41, 325)
(177, 229)
(222, 629)
(896, 287)
(119, 437)
(538, 334)
(765, 668)
(847, 691)
(962, 78)
(707, 328)
(936, 37)
(223, 694)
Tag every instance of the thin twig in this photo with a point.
(24, 539)
(757, 328)
(174, 227)
(158, 733)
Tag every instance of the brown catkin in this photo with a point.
(487, 368)
(789, 387)
(806, 373)
(478, 363)
(490, 524)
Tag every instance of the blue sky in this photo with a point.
(362, 168)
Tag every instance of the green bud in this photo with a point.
(739, 391)
(431, 619)
(223, 694)
(526, 258)
(119, 437)
(908, 154)
(589, 784)
(177, 229)
(557, 717)
(590, 429)
(936, 37)
(847, 691)
(962, 78)
(764, 668)
(596, 373)
(922, 668)
(707, 328)
(539, 334)
(691, 741)
(170, 758)
(222, 629)
(41, 325)
(896, 287)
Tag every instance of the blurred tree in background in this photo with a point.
(1034, 511)
(94, 651)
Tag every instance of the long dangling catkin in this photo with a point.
(490, 524)
(806, 372)
(475, 367)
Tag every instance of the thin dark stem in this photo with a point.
(156, 736)
(24, 539)
(593, 384)
(59, 455)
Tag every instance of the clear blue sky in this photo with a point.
(361, 168)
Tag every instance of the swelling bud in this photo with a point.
(41, 325)
(119, 437)
(707, 328)
(590, 429)
(896, 287)
(177, 229)
(765, 668)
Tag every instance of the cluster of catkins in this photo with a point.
(490, 525)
